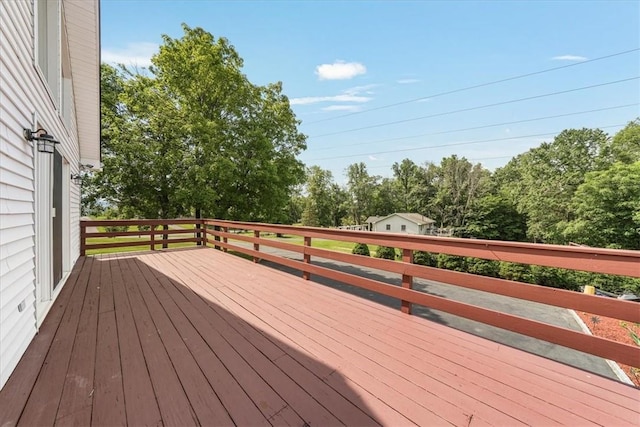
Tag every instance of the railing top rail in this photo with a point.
(598, 260)
(103, 222)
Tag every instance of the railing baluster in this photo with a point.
(153, 237)
(224, 239)
(307, 258)
(407, 280)
(256, 246)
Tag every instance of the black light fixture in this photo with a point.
(76, 178)
(46, 142)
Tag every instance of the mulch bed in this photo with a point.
(613, 329)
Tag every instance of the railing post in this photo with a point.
(256, 246)
(83, 238)
(224, 238)
(152, 242)
(407, 281)
(216, 237)
(307, 258)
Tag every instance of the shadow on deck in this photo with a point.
(188, 337)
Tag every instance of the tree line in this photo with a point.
(581, 188)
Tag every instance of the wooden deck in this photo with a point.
(198, 336)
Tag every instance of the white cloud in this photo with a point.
(569, 58)
(407, 81)
(134, 54)
(340, 70)
(348, 108)
(336, 98)
(357, 90)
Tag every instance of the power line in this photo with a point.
(449, 145)
(480, 127)
(471, 160)
(479, 107)
(521, 76)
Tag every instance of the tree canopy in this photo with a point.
(193, 135)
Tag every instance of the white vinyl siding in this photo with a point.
(30, 96)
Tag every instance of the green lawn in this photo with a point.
(99, 240)
(333, 245)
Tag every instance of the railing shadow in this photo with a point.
(220, 345)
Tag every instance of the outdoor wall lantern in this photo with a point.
(46, 142)
(76, 178)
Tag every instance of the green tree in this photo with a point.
(360, 186)
(193, 135)
(407, 178)
(142, 147)
(495, 217)
(242, 138)
(625, 145)
(339, 204)
(607, 208)
(542, 181)
(385, 198)
(319, 197)
(458, 184)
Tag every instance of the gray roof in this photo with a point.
(413, 217)
(373, 219)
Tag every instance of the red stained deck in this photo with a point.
(198, 336)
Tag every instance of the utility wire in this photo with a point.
(450, 144)
(521, 76)
(471, 160)
(479, 107)
(479, 127)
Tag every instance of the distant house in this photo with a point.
(409, 223)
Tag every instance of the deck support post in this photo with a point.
(407, 281)
(256, 246)
(306, 257)
(224, 239)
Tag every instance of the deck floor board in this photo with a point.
(200, 337)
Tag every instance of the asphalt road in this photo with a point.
(532, 310)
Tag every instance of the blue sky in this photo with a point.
(339, 59)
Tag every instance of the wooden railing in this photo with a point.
(141, 233)
(219, 234)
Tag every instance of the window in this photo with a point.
(388, 227)
(403, 227)
(48, 43)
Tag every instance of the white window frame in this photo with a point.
(52, 76)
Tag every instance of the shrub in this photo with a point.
(424, 258)
(451, 262)
(483, 267)
(361, 249)
(555, 277)
(116, 228)
(515, 271)
(386, 252)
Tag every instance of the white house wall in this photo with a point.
(396, 223)
(24, 102)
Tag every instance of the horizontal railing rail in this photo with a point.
(224, 235)
(156, 232)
